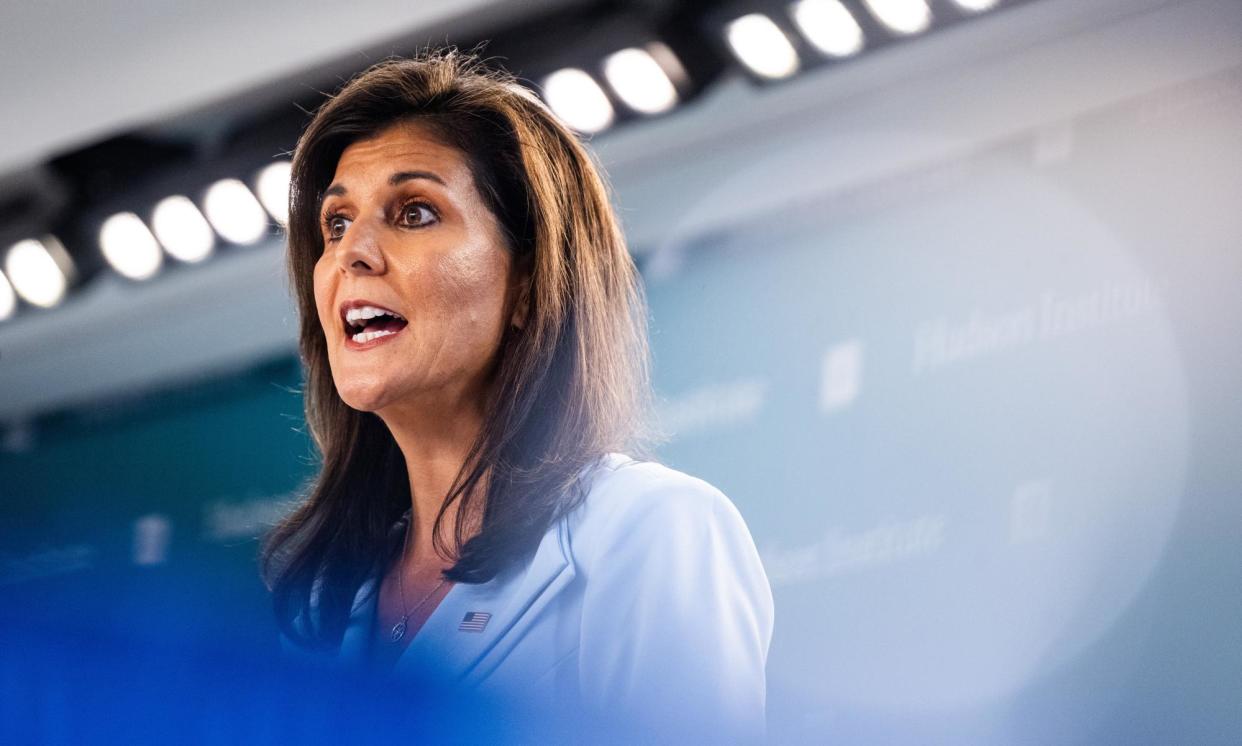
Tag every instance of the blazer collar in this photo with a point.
(441, 648)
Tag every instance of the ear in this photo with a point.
(521, 306)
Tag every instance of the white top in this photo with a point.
(646, 606)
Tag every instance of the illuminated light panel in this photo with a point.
(640, 80)
(38, 270)
(182, 229)
(129, 247)
(976, 6)
(578, 100)
(273, 188)
(760, 45)
(8, 299)
(829, 26)
(234, 212)
(901, 16)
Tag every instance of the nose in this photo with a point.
(359, 250)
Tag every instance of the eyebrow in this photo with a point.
(396, 179)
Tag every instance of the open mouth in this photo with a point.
(363, 324)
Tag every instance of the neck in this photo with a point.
(435, 438)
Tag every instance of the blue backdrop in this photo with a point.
(982, 419)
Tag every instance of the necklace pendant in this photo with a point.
(398, 631)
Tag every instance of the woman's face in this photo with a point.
(406, 232)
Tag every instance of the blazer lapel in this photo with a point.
(475, 626)
(356, 641)
(355, 644)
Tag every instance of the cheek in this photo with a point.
(323, 293)
(475, 279)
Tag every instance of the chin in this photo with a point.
(362, 397)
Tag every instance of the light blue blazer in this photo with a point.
(647, 606)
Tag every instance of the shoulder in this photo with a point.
(620, 488)
(676, 611)
(634, 504)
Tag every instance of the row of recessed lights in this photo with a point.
(40, 270)
(759, 43)
(645, 78)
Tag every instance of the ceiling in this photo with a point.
(76, 72)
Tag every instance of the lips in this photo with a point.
(369, 340)
(362, 308)
(367, 323)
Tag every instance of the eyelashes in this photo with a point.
(423, 214)
(330, 223)
(416, 205)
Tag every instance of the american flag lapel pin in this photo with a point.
(474, 621)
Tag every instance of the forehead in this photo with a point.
(404, 146)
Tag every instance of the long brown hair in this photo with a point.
(570, 385)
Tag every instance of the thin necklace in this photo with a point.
(398, 629)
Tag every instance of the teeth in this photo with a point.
(361, 313)
(361, 337)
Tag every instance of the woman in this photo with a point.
(474, 337)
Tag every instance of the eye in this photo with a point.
(418, 214)
(335, 226)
